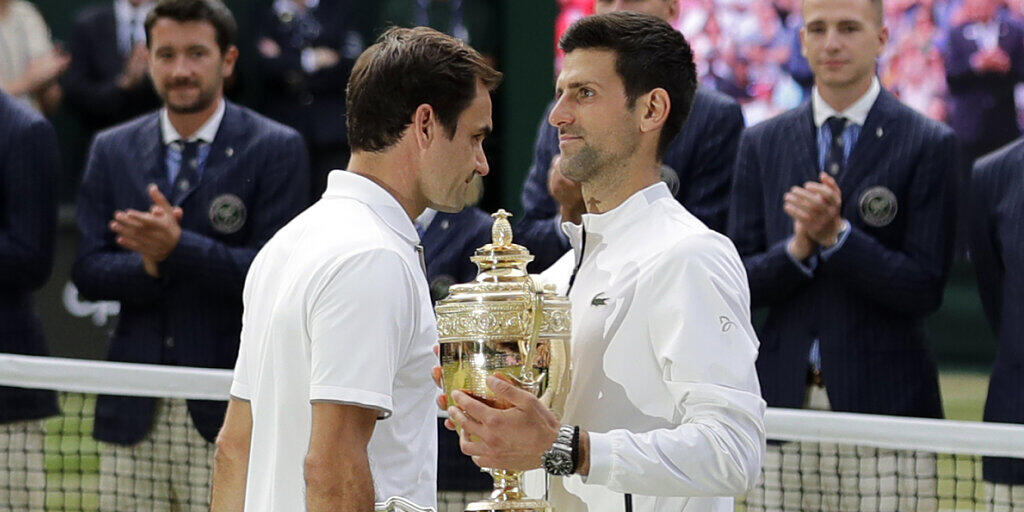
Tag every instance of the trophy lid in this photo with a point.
(501, 252)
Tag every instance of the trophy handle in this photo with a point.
(528, 347)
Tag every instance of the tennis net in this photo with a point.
(815, 460)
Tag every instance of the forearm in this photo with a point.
(716, 451)
(229, 474)
(346, 485)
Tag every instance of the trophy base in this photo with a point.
(523, 505)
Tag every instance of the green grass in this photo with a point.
(963, 393)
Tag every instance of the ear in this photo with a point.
(230, 58)
(424, 126)
(883, 39)
(673, 11)
(655, 108)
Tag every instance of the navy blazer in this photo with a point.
(702, 155)
(256, 178)
(448, 243)
(996, 232)
(983, 113)
(868, 301)
(312, 103)
(90, 84)
(28, 216)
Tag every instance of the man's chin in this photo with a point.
(188, 108)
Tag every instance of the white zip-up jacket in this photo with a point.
(663, 358)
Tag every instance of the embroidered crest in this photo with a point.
(227, 213)
(878, 206)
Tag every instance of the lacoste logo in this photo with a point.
(726, 323)
(599, 300)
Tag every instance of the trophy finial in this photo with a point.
(501, 231)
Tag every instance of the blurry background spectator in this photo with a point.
(29, 62)
(306, 50)
(984, 63)
(108, 80)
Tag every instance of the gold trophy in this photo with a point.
(505, 322)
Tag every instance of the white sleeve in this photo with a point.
(358, 323)
(240, 377)
(696, 309)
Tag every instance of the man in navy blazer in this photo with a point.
(701, 157)
(172, 210)
(997, 249)
(843, 214)
(28, 213)
(984, 64)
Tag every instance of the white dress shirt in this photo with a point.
(663, 358)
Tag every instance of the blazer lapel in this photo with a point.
(806, 140)
(872, 143)
(222, 157)
(149, 146)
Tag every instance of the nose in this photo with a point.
(560, 114)
(482, 167)
(179, 67)
(832, 39)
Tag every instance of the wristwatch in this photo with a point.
(560, 459)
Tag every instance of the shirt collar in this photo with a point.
(855, 114)
(425, 218)
(351, 185)
(619, 217)
(206, 133)
(125, 11)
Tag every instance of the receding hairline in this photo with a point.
(876, 5)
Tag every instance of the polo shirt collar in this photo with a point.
(351, 185)
(622, 216)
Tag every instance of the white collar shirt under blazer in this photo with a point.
(337, 309)
(663, 358)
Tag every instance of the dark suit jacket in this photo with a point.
(984, 114)
(702, 156)
(997, 245)
(28, 214)
(90, 84)
(192, 315)
(312, 103)
(867, 302)
(448, 243)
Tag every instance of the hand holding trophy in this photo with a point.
(506, 324)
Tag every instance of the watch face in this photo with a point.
(558, 462)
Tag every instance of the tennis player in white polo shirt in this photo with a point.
(664, 412)
(332, 402)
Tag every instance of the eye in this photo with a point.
(585, 93)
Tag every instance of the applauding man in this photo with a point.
(172, 209)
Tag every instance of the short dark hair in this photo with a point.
(649, 53)
(212, 11)
(406, 68)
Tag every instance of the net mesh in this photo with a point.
(815, 460)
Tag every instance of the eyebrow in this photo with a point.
(573, 85)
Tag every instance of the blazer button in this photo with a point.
(169, 342)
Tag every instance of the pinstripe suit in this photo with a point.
(28, 213)
(191, 315)
(702, 156)
(867, 302)
(997, 245)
